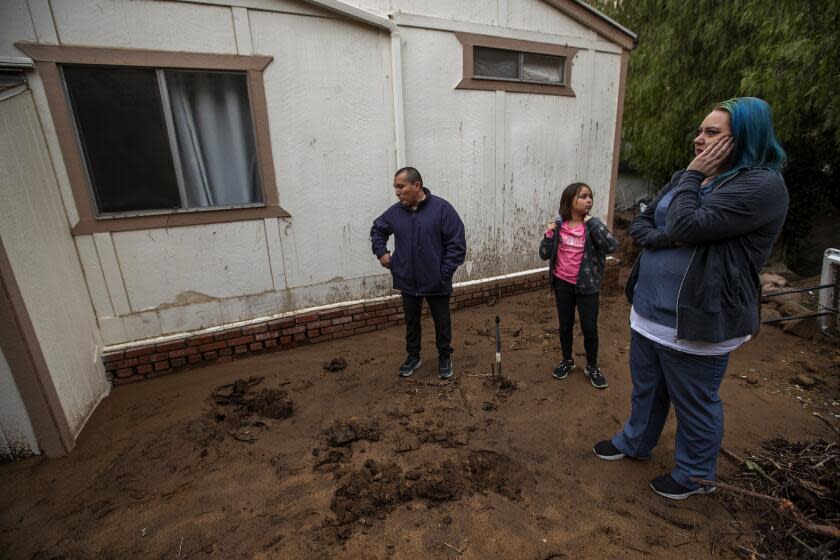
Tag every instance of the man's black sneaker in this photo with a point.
(444, 367)
(596, 377)
(562, 371)
(409, 365)
(607, 451)
(665, 485)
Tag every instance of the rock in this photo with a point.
(768, 279)
(752, 378)
(809, 366)
(336, 364)
(803, 328)
(768, 314)
(805, 380)
(774, 283)
(792, 309)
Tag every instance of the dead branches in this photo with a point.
(792, 484)
(784, 505)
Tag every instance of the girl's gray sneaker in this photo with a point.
(596, 377)
(562, 371)
(444, 367)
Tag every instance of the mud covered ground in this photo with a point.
(300, 455)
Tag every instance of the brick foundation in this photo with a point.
(308, 327)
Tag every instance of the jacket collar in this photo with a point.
(421, 204)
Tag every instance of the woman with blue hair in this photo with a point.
(695, 290)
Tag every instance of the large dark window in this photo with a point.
(164, 140)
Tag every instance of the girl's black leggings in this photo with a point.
(587, 306)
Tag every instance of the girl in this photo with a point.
(576, 246)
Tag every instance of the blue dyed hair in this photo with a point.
(752, 130)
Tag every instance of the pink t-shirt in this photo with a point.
(570, 252)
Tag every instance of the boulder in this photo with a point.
(773, 283)
(803, 328)
(792, 309)
(768, 278)
(768, 314)
(805, 380)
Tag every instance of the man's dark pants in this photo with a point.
(439, 307)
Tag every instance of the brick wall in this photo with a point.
(309, 327)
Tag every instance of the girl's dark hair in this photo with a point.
(569, 194)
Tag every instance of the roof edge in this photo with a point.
(598, 22)
(355, 13)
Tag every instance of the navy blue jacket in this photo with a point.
(732, 234)
(429, 245)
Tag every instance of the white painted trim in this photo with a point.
(11, 92)
(500, 149)
(275, 253)
(42, 108)
(399, 108)
(242, 31)
(237, 324)
(502, 13)
(113, 274)
(403, 19)
(42, 20)
(297, 8)
(16, 62)
(94, 277)
(355, 13)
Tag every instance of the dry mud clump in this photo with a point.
(377, 488)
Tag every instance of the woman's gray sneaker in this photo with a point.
(562, 371)
(607, 451)
(666, 486)
(409, 365)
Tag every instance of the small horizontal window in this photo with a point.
(157, 140)
(500, 64)
(515, 65)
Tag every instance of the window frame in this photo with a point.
(470, 81)
(48, 60)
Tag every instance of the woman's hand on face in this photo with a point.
(713, 159)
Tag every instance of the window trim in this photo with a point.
(470, 81)
(47, 60)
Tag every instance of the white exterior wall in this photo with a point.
(500, 158)
(46, 267)
(503, 159)
(17, 438)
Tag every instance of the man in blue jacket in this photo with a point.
(429, 246)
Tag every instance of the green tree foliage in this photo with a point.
(693, 54)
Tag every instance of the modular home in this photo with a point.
(186, 182)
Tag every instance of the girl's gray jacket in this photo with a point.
(599, 243)
(732, 232)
